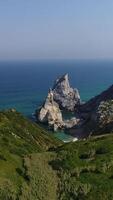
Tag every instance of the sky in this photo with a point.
(56, 29)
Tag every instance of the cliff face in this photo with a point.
(67, 97)
(95, 102)
(50, 113)
(97, 114)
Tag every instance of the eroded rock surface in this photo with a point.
(50, 113)
(92, 117)
(96, 114)
(67, 97)
(61, 96)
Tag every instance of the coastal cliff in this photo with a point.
(33, 160)
(91, 118)
(98, 113)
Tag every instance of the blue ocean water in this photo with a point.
(24, 84)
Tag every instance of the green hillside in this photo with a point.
(35, 166)
(19, 137)
(77, 171)
(86, 169)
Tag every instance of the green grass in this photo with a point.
(42, 180)
(19, 137)
(76, 171)
(36, 166)
(86, 169)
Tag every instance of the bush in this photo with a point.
(101, 150)
(88, 155)
(7, 190)
(2, 157)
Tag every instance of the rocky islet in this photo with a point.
(92, 117)
(61, 98)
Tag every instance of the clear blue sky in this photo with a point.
(56, 29)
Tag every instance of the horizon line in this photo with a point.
(52, 59)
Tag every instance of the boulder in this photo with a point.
(71, 122)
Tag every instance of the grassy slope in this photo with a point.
(87, 169)
(18, 138)
(80, 171)
(28, 171)
(42, 180)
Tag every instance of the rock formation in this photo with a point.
(61, 96)
(92, 117)
(96, 115)
(50, 113)
(102, 115)
(67, 97)
(95, 102)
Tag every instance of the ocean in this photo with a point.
(24, 84)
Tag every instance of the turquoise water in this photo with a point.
(24, 85)
(63, 136)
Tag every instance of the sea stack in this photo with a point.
(50, 113)
(67, 97)
(62, 97)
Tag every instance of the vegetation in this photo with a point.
(86, 169)
(18, 138)
(35, 166)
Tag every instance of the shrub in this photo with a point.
(88, 155)
(7, 190)
(101, 150)
(2, 157)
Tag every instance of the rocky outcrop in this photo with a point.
(67, 97)
(71, 122)
(96, 115)
(95, 102)
(92, 117)
(50, 113)
(61, 96)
